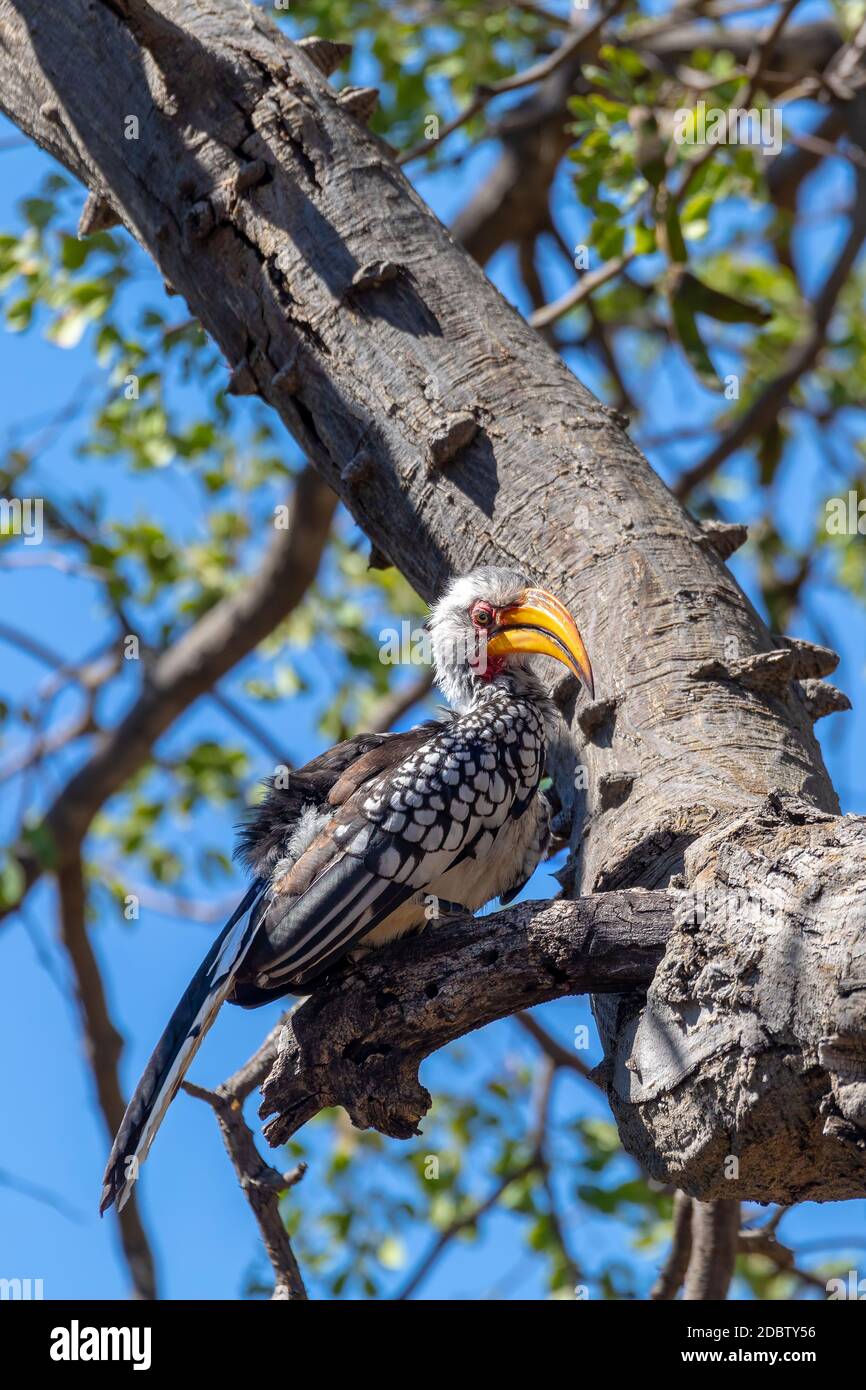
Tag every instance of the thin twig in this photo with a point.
(470, 1218)
(251, 726)
(388, 711)
(462, 1223)
(754, 71)
(763, 1242)
(48, 743)
(190, 667)
(559, 1055)
(537, 73)
(253, 1072)
(176, 904)
(828, 149)
(766, 406)
(673, 1271)
(263, 1185)
(590, 282)
(36, 1193)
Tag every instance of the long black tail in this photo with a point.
(177, 1047)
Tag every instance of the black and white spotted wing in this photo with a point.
(398, 834)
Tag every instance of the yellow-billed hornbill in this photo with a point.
(356, 843)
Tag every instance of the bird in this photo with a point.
(351, 850)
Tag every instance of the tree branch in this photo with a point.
(251, 726)
(189, 668)
(147, 26)
(539, 72)
(560, 1056)
(359, 1042)
(790, 168)
(469, 1219)
(466, 1222)
(763, 1241)
(591, 281)
(263, 1185)
(388, 711)
(715, 1238)
(766, 406)
(673, 1272)
(511, 204)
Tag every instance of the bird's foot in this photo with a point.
(443, 910)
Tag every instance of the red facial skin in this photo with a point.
(487, 667)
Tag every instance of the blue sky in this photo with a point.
(202, 1230)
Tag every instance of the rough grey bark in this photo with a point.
(456, 436)
(757, 1015)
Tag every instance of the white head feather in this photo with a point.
(456, 642)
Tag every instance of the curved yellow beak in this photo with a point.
(540, 623)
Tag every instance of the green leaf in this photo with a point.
(674, 241)
(703, 299)
(644, 239)
(691, 342)
(19, 315)
(12, 881)
(391, 1253)
(38, 211)
(73, 253)
(40, 841)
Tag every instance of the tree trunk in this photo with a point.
(744, 1074)
(456, 437)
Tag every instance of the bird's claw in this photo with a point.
(447, 911)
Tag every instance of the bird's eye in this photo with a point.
(482, 616)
